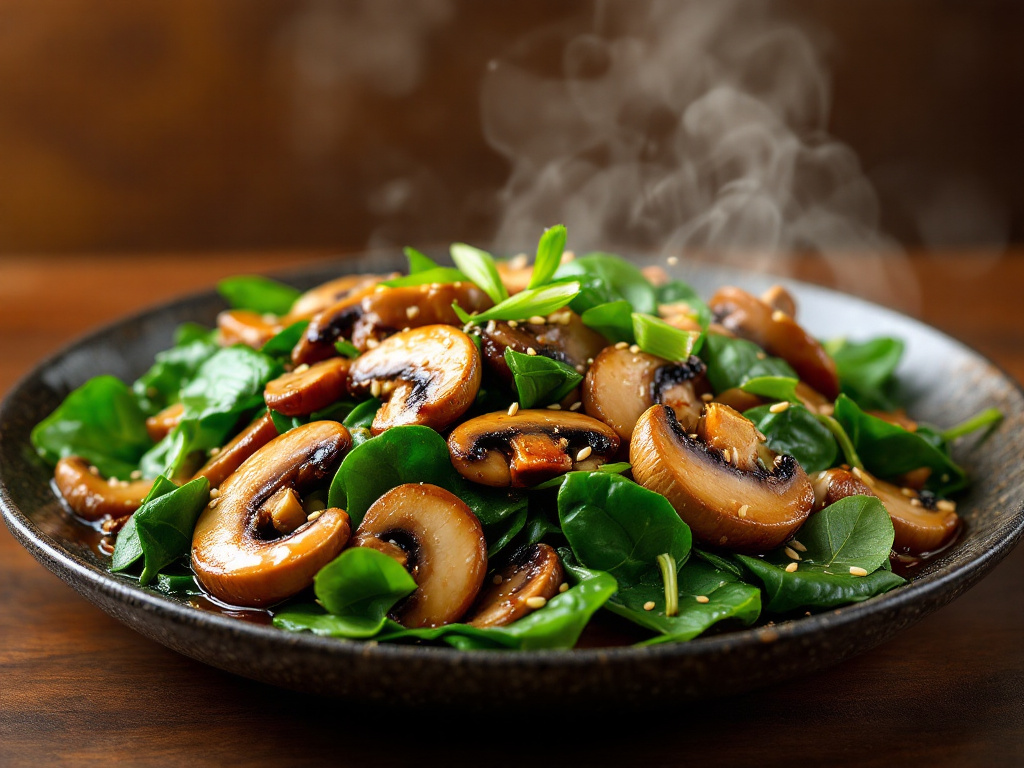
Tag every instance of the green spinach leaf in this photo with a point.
(161, 385)
(733, 362)
(540, 380)
(866, 369)
(613, 320)
(258, 294)
(610, 278)
(797, 432)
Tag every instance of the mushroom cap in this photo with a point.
(441, 544)
(243, 326)
(93, 498)
(709, 492)
(429, 376)
(321, 297)
(231, 555)
(530, 447)
(621, 385)
(779, 334)
(533, 570)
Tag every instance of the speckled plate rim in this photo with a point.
(935, 588)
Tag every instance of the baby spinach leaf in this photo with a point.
(549, 255)
(128, 546)
(281, 345)
(525, 304)
(161, 385)
(734, 362)
(363, 414)
(160, 531)
(230, 381)
(170, 455)
(177, 584)
(540, 380)
(678, 292)
(888, 450)
(797, 432)
(611, 278)
(613, 320)
(479, 267)
(615, 468)
(258, 294)
(809, 589)
(501, 532)
(656, 337)
(620, 527)
(436, 275)
(866, 369)
(186, 333)
(360, 586)
(101, 422)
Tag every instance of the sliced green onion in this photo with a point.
(549, 255)
(525, 304)
(479, 267)
(656, 337)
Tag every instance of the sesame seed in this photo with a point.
(513, 324)
(722, 540)
(554, 407)
(791, 567)
(703, 599)
(778, 316)
(916, 503)
(584, 453)
(372, 343)
(406, 329)
(563, 587)
(863, 476)
(214, 493)
(531, 351)
(112, 482)
(672, 260)
(634, 348)
(692, 435)
(375, 388)
(908, 492)
(380, 288)
(301, 368)
(580, 368)
(269, 318)
(856, 570)
(945, 505)
(536, 601)
(797, 546)
(513, 409)
(411, 312)
(215, 451)
(94, 471)
(590, 361)
(735, 456)
(742, 512)
(213, 504)
(314, 515)
(761, 356)
(827, 409)
(707, 397)
(136, 474)
(497, 579)
(779, 407)
(537, 320)
(649, 605)
(791, 553)
(517, 262)
(621, 345)
(491, 326)
(576, 406)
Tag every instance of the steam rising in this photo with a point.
(682, 127)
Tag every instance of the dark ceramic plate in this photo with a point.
(944, 381)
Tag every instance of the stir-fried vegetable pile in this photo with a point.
(491, 453)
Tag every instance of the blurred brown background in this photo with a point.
(191, 125)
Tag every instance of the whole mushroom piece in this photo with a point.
(238, 552)
(440, 542)
(725, 484)
(428, 376)
(532, 576)
(529, 447)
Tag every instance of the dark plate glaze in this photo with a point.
(945, 382)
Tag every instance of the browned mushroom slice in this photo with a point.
(323, 296)
(729, 499)
(226, 460)
(439, 541)
(308, 388)
(330, 325)
(779, 298)
(427, 376)
(530, 447)
(387, 311)
(240, 326)
(779, 335)
(531, 578)
(562, 336)
(236, 555)
(93, 498)
(622, 384)
(160, 425)
(921, 523)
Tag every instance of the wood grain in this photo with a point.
(78, 688)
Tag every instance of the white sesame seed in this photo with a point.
(580, 368)
(375, 388)
(735, 456)
(314, 515)
(372, 343)
(945, 505)
(136, 474)
(537, 320)
(513, 409)
(791, 567)
(779, 407)
(707, 397)
(411, 312)
(649, 605)
(621, 345)
(797, 546)
(214, 493)
(491, 326)
(856, 570)
(908, 492)
(214, 451)
(742, 512)
(497, 579)
(634, 348)
(513, 324)
(563, 587)
(531, 351)
(761, 356)
(791, 553)
(778, 316)
(672, 260)
(554, 407)
(301, 368)
(584, 453)
(94, 471)
(703, 599)
(576, 406)
(536, 601)
(916, 503)
(213, 504)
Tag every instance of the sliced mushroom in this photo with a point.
(622, 384)
(160, 425)
(728, 486)
(327, 294)
(92, 497)
(240, 326)
(308, 388)
(779, 335)
(439, 541)
(921, 523)
(226, 460)
(532, 576)
(236, 555)
(427, 376)
(530, 447)
(562, 336)
(390, 310)
(328, 326)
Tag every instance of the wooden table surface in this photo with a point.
(79, 688)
